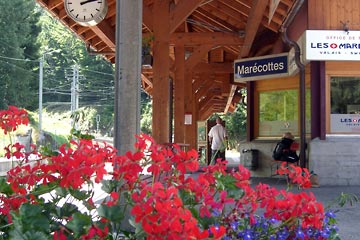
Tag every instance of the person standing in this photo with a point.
(218, 139)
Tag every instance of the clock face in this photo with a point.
(86, 12)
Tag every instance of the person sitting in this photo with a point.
(285, 150)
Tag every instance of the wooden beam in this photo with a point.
(181, 11)
(214, 38)
(230, 98)
(146, 80)
(148, 17)
(214, 67)
(105, 33)
(179, 95)
(211, 102)
(52, 4)
(254, 20)
(203, 89)
(230, 11)
(214, 20)
(199, 81)
(198, 54)
(161, 66)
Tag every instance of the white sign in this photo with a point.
(188, 119)
(336, 45)
(345, 123)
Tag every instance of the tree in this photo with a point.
(18, 53)
(236, 123)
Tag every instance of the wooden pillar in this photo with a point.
(194, 130)
(189, 101)
(179, 99)
(161, 66)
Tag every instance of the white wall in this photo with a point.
(336, 160)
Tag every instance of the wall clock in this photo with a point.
(86, 12)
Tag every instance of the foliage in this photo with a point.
(18, 41)
(272, 105)
(70, 60)
(236, 126)
(235, 123)
(56, 197)
(146, 114)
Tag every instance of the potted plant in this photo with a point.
(147, 58)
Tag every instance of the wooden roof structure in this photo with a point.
(234, 28)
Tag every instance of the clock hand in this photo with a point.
(87, 1)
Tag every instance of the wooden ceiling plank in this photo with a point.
(62, 14)
(148, 17)
(214, 67)
(254, 20)
(230, 98)
(215, 38)
(197, 56)
(89, 35)
(52, 4)
(199, 25)
(252, 26)
(146, 80)
(211, 102)
(241, 8)
(202, 90)
(105, 33)
(181, 11)
(229, 11)
(272, 26)
(227, 14)
(212, 20)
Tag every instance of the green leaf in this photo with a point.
(44, 188)
(31, 218)
(224, 182)
(5, 187)
(235, 193)
(187, 197)
(80, 195)
(113, 213)
(62, 192)
(79, 223)
(108, 186)
(29, 235)
(66, 210)
(206, 222)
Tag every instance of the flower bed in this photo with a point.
(168, 205)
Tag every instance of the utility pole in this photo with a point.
(41, 79)
(75, 89)
(41, 76)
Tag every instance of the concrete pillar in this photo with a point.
(127, 73)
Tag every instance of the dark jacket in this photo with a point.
(283, 152)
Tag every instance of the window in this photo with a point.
(345, 104)
(279, 112)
